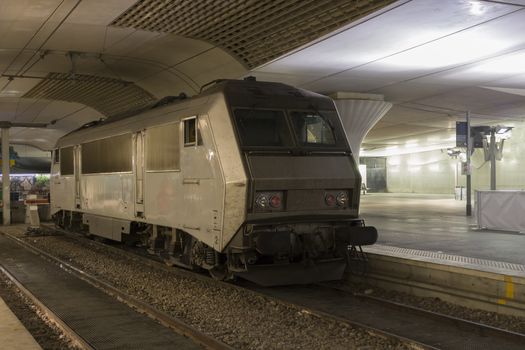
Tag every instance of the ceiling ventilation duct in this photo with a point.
(254, 31)
(107, 95)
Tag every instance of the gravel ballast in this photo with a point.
(46, 334)
(240, 318)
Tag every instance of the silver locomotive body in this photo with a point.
(249, 178)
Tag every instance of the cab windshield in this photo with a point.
(277, 129)
(263, 128)
(312, 129)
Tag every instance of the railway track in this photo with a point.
(429, 329)
(417, 327)
(180, 327)
(475, 328)
(155, 263)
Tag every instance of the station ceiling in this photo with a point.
(68, 62)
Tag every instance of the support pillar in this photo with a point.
(493, 150)
(469, 172)
(359, 113)
(6, 182)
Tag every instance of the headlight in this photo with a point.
(342, 199)
(262, 201)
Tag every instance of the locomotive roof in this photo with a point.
(238, 92)
(252, 87)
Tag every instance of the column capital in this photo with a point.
(359, 115)
(348, 95)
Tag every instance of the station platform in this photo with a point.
(13, 334)
(437, 225)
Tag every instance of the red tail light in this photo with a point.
(275, 201)
(330, 200)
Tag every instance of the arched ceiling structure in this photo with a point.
(69, 62)
(434, 60)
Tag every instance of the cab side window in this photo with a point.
(66, 161)
(190, 131)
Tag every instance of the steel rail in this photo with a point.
(175, 324)
(480, 328)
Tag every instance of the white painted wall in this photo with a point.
(423, 172)
(434, 171)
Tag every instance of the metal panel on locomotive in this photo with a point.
(249, 179)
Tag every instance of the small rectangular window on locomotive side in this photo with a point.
(110, 155)
(67, 164)
(162, 148)
(56, 156)
(190, 131)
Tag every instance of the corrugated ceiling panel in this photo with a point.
(108, 96)
(254, 31)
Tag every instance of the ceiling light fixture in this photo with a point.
(476, 8)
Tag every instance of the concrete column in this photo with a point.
(6, 182)
(359, 113)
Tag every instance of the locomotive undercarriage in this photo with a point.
(267, 254)
(298, 253)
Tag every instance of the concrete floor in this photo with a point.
(437, 223)
(13, 334)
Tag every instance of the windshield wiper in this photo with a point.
(269, 151)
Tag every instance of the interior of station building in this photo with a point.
(66, 64)
(406, 77)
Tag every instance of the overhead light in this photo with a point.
(433, 167)
(476, 8)
(411, 144)
(456, 153)
(394, 160)
(9, 93)
(500, 130)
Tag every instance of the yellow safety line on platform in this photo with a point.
(509, 287)
(509, 290)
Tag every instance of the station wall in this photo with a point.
(435, 172)
(422, 172)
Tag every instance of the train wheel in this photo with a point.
(219, 272)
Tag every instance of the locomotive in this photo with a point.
(249, 179)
